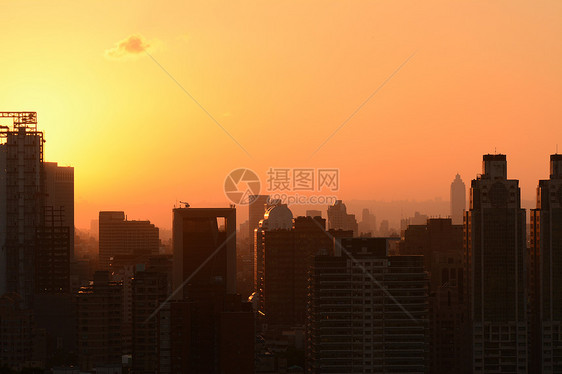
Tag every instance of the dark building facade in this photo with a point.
(545, 269)
(495, 256)
(286, 250)
(206, 315)
(99, 322)
(21, 343)
(21, 202)
(150, 289)
(367, 312)
(441, 244)
(125, 242)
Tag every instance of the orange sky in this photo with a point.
(281, 77)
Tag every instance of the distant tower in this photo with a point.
(458, 200)
(338, 219)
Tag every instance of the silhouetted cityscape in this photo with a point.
(476, 292)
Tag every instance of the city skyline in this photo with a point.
(302, 187)
(141, 304)
(270, 75)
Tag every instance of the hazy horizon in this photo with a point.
(159, 102)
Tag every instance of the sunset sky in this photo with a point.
(281, 77)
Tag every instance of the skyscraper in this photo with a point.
(257, 206)
(546, 272)
(100, 315)
(199, 242)
(207, 317)
(21, 202)
(59, 194)
(495, 250)
(367, 311)
(458, 200)
(124, 242)
(150, 288)
(277, 219)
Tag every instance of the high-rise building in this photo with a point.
(204, 254)
(495, 250)
(100, 314)
(21, 202)
(208, 321)
(285, 248)
(257, 206)
(545, 286)
(338, 219)
(277, 218)
(52, 254)
(458, 200)
(441, 245)
(367, 311)
(150, 289)
(123, 242)
(436, 235)
(59, 195)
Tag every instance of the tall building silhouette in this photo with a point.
(367, 311)
(123, 242)
(209, 324)
(59, 194)
(276, 218)
(546, 273)
(100, 316)
(258, 204)
(495, 250)
(21, 202)
(458, 200)
(198, 241)
(150, 289)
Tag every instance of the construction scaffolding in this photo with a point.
(21, 208)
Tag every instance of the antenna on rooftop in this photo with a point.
(185, 204)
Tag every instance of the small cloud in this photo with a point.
(227, 114)
(132, 46)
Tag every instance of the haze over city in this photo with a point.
(280, 78)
